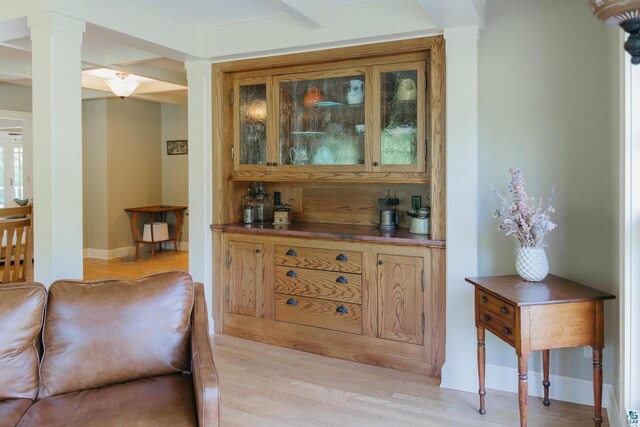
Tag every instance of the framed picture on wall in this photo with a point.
(177, 147)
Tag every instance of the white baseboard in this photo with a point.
(109, 253)
(126, 251)
(566, 389)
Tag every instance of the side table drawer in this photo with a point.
(499, 308)
(496, 325)
(319, 259)
(496, 315)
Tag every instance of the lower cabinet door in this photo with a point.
(245, 294)
(401, 298)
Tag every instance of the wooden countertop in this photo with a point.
(400, 236)
(153, 209)
(551, 290)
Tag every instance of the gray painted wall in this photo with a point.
(546, 81)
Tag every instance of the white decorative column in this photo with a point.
(57, 146)
(200, 177)
(459, 371)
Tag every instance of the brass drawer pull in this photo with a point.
(484, 299)
(507, 331)
(342, 279)
(342, 309)
(504, 310)
(486, 318)
(292, 301)
(342, 257)
(291, 252)
(292, 273)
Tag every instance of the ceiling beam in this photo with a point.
(14, 29)
(455, 13)
(310, 13)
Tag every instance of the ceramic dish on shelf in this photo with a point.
(327, 104)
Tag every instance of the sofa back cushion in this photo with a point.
(105, 332)
(21, 312)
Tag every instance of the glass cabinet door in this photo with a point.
(322, 120)
(251, 148)
(399, 143)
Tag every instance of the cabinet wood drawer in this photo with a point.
(319, 259)
(338, 316)
(329, 285)
(496, 307)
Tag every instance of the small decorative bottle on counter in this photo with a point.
(248, 208)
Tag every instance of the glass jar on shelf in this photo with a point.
(263, 207)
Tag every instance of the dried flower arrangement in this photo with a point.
(527, 223)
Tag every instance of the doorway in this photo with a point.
(11, 167)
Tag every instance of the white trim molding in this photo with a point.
(108, 253)
(126, 251)
(201, 177)
(629, 237)
(462, 190)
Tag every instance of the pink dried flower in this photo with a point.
(529, 224)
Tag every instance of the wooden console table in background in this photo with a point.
(553, 313)
(178, 211)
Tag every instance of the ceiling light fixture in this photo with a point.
(122, 86)
(625, 13)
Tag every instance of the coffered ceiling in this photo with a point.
(153, 38)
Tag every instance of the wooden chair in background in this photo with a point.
(16, 244)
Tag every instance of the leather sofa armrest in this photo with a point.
(205, 377)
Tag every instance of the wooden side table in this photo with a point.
(151, 211)
(529, 316)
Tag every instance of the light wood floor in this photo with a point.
(264, 385)
(167, 260)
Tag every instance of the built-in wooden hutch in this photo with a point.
(333, 131)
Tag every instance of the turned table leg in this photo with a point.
(545, 381)
(134, 231)
(597, 386)
(523, 387)
(481, 374)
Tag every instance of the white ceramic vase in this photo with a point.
(532, 264)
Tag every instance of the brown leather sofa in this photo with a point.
(114, 353)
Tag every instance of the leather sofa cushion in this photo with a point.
(21, 313)
(159, 401)
(105, 332)
(11, 410)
